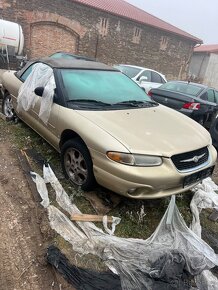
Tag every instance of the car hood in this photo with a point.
(156, 130)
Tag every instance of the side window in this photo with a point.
(216, 96)
(204, 96)
(211, 97)
(156, 78)
(146, 74)
(27, 73)
(162, 80)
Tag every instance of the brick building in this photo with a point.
(113, 31)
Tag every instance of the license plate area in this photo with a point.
(197, 176)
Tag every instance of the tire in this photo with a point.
(2, 60)
(77, 164)
(7, 107)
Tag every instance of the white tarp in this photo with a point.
(41, 76)
(204, 197)
(131, 259)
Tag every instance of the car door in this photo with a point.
(210, 106)
(213, 109)
(48, 130)
(216, 96)
(144, 80)
(156, 80)
(31, 117)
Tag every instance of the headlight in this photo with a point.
(134, 159)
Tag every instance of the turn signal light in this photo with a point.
(192, 106)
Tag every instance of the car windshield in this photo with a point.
(102, 87)
(184, 88)
(131, 72)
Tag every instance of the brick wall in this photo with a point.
(64, 25)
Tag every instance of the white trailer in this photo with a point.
(11, 38)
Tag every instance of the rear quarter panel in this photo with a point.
(11, 84)
(173, 100)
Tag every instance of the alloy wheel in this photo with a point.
(7, 106)
(75, 166)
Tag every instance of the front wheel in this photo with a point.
(77, 164)
(7, 107)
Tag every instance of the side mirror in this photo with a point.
(39, 91)
(143, 79)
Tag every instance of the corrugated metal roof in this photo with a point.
(124, 9)
(207, 48)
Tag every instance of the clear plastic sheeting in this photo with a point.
(62, 225)
(41, 76)
(41, 187)
(204, 197)
(206, 281)
(135, 260)
(115, 222)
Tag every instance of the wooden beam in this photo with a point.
(90, 218)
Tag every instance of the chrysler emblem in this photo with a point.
(194, 159)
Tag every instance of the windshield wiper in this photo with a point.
(88, 101)
(153, 103)
(131, 103)
(134, 103)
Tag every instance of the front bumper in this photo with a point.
(144, 182)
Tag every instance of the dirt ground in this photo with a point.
(23, 239)
(25, 232)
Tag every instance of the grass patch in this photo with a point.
(139, 217)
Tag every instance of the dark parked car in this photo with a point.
(197, 101)
(214, 133)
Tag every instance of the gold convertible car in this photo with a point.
(107, 129)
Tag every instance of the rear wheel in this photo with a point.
(77, 164)
(7, 107)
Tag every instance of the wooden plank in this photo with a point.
(90, 218)
(102, 202)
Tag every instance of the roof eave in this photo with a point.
(206, 51)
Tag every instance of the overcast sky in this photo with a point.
(197, 17)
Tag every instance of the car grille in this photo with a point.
(190, 160)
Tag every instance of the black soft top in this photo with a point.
(63, 63)
(75, 63)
